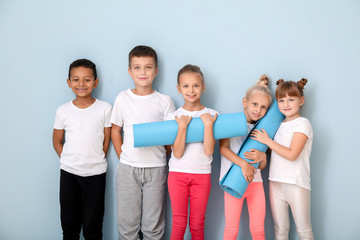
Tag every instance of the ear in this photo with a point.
(203, 88)
(129, 71)
(156, 71)
(178, 88)
(69, 83)
(244, 102)
(302, 100)
(96, 83)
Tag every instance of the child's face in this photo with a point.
(82, 81)
(290, 106)
(255, 106)
(191, 86)
(143, 71)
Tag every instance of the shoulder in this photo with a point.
(103, 103)
(303, 125)
(171, 116)
(163, 97)
(122, 94)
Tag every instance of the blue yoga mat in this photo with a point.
(234, 181)
(164, 133)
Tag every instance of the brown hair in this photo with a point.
(143, 51)
(262, 86)
(290, 88)
(192, 69)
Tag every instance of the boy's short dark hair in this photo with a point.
(83, 63)
(190, 68)
(143, 51)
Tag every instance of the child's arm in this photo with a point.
(107, 133)
(247, 169)
(116, 139)
(209, 141)
(179, 144)
(292, 153)
(256, 156)
(58, 141)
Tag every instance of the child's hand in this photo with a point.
(183, 121)
(207, 119)
(260, 136)
(255, 155)
(248, 171)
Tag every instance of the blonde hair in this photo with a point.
(290, 88)
(262, 86)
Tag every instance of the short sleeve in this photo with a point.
(169, 108)
(116, 116)
(108, 115)
(304, 127)
(59, 122)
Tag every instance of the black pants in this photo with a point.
(82, 204)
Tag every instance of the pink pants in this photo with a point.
(183, 186)
(255, 198)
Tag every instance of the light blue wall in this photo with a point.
(234, 42)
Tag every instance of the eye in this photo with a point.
(281, 101)
(136, 67)
(75, 80)
(88, 80)
(149, 67)
(264, 107)
(255, 104)
(185, 86)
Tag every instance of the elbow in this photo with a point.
(209, 153)
(292, 157)
(177, 155)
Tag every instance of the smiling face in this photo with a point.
(255, 106)
(290, 106)
(143, 71)
(82, 81)
(191, 87)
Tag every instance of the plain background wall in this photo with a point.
(234, 42)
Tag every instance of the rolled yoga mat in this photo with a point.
(234, 181)
(164, 133)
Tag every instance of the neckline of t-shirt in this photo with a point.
(84, 108)
(187, 111)
(284, 122)
(141, 96)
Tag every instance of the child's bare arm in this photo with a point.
(116, 138)
(209, 141)
(58, 141)
(247, 169)
(291, 153)
(179, 144)
(257, 157)
(107, 133)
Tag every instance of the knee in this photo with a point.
(305, 234)
(231, 232)
(281, 232)
(257, 232)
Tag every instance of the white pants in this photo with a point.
(282, 196)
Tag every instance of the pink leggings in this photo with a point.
(255, 198)
(183, 186)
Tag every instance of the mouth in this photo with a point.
(81, 89)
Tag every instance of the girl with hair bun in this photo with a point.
(289, 172)
(255, 103)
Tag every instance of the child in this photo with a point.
(255, 103)
(190, 164)
(289, 173)
(141, 172)
(86, 122)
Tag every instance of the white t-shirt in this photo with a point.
(235, 144)
(83, 153)
(298, 171)
(194, 159)
(130, 109)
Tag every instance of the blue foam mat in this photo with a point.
(164, 133)
(234, 181)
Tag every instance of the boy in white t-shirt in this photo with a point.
(141, 173)
(84, 124)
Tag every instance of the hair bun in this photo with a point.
(264, 80)
(279, 81)
(302, 83)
